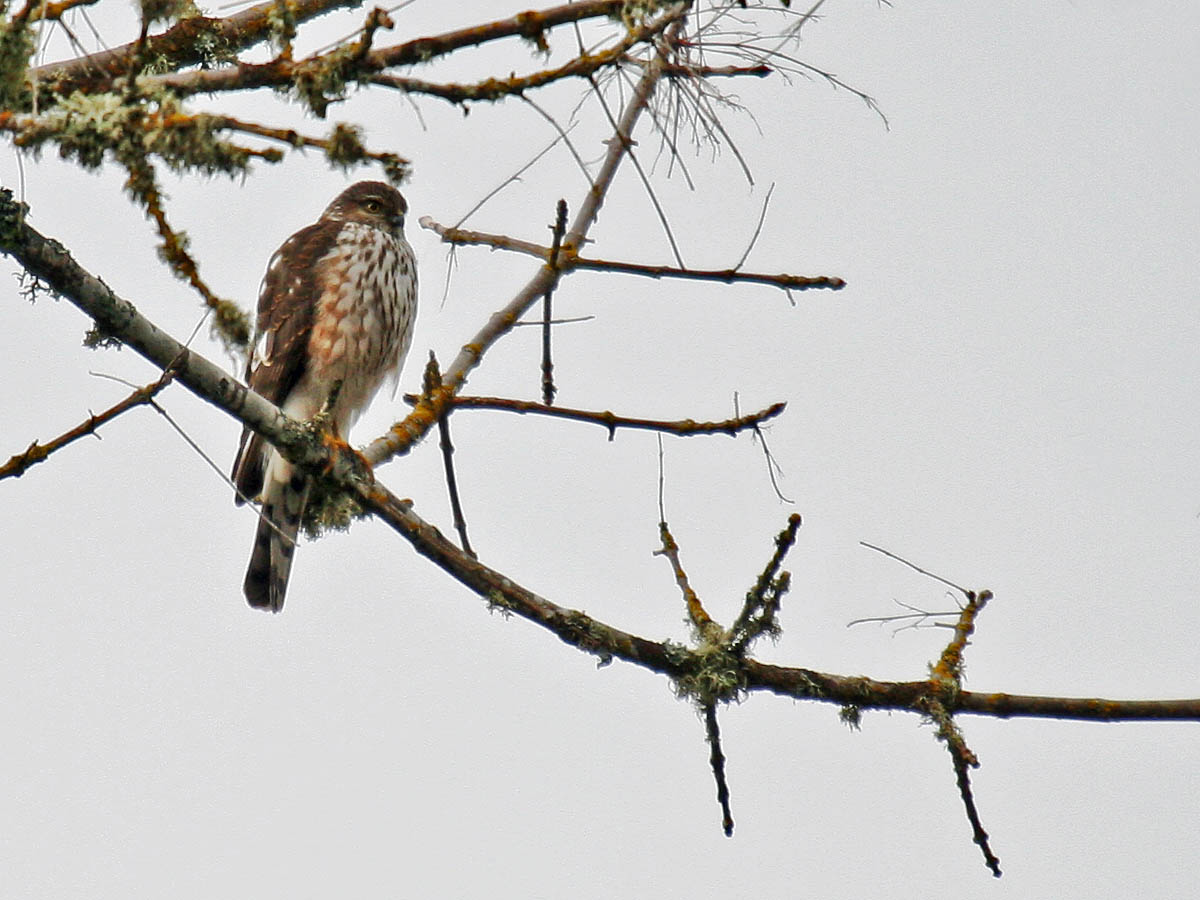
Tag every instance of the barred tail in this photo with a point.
(284, 498)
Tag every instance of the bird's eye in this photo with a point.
(372, 206)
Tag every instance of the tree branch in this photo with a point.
(281, 72)
(186, 43)
(570, 261)
(50, 262)
(610, 421)
(403, 435)
(20, 463)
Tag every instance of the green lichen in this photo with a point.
(231, 323)
(16, 48)
(395, 169)
(86, 127)
(344, 147)
(497, 602)
(851, 716)
(281, 22)
(96, 338)
(168, 10)
(634, 13)
(330, 508)
(712, 674)
(213, 49)
(323, 80)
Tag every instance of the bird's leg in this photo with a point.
(327, 427)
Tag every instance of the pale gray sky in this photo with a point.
(1007, 393)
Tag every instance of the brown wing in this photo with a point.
(286, 305)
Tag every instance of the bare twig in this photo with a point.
(18, 464)
(963, 760)
(433, 383)
(580, 66)
(717, 761)
(919, 615)
(916, 568)
(772, 465)
(560, 226)
(462, 236)
(281, 72)
(610, 421)
(762, 217)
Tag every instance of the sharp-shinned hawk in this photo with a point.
(335, 311)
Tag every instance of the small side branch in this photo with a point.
(702, 623)
(492, 89)
(964, 760)
(717, 761)
(20, 463)
(343, 146)
(761, 609)
(560, 228)
(949, 667)
(462, 236)
(433, 384)
(610, 421)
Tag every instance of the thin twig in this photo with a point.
(919, 615)
(916, 568)
(560, 227)
(772, 465)
(717, 761)
(433, 383)
(610, 421)
(702, 623)
(626, 139)
(20, 463)
(462, 236)
(762, 217)
(963, 760)
(492, 89)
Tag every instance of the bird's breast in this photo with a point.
(362, 325)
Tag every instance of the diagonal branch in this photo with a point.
(49, 261)
(403, 435)
(20, 463)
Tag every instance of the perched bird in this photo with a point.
(335, 310)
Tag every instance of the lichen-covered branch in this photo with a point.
(191, 41)
(328, 73)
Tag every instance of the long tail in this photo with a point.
(284, 498)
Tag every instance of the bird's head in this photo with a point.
(370, 203)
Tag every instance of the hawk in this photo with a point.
(335, 312)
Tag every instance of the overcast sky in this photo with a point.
(1007, 393)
